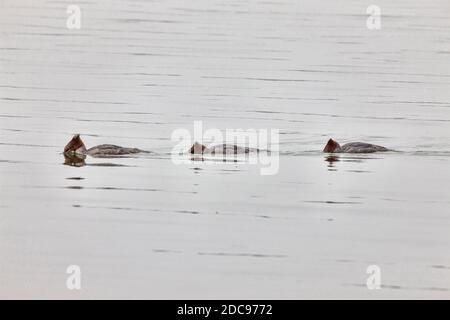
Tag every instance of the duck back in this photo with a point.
(361, 147)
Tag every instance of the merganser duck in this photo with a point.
(352, 147)
(77, 147)
(198, 148)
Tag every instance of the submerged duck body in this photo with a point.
(352, 147)
(76, 146)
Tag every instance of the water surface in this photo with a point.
(144, 227)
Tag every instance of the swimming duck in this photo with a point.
(76, 146)
(198, 148)
(352, 147)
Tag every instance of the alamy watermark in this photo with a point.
(254, 146)
(74, 19)
(73, 282)
(374, 280)
(374, 20)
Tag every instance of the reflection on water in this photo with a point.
(331, 159)
(74, 160)
(79, 160)
(215, 159)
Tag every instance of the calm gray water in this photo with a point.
(144, 227)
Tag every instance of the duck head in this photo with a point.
(197, 148)
(75, 145)
(332, 147)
